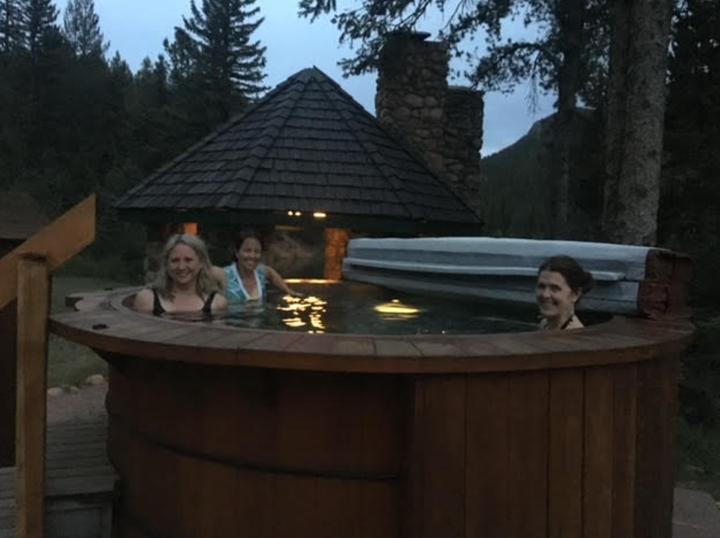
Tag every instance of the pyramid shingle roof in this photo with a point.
(306, 146)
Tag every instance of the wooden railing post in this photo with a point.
(33, 308)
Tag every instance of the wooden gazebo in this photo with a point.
(306, 154)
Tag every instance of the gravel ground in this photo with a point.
(77, 405)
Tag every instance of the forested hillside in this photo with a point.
(73, 121)
(518, 189)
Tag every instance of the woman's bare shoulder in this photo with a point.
(144, 300)
(220, 302)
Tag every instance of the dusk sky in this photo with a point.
(136, 29)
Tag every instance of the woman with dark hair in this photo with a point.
(245, 279)
(184, 281)
(560, 284)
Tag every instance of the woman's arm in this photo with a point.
(144, 301)
(219, 303)
(280, 283)
(218, 274)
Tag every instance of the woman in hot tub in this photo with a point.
(184, 282)
(245, 280)
(561, 282)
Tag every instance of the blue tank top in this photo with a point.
(236, 292)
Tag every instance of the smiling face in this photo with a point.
(183, 265)
(248, 255)
(554, 296)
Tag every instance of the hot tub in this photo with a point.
(226, 432)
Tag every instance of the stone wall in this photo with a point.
(411, 93)
(463, 138)
(442, 125)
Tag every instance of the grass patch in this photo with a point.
(70, 363)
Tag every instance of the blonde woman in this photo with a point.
(185, 281)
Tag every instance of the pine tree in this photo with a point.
(635, 120)
(81, 27)
(11, 26)
(229, 63)
(39, 18)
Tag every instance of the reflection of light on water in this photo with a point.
(309, 281)
(294, 322)
(305, 310)
(397, 309)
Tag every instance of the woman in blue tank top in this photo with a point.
(246, 279)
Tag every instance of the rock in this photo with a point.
(95, 379)
(72, 389)
(55, 391)
(414, 101)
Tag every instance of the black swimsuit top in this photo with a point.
(158, 309)
(564, 325)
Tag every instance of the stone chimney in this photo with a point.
(443, 125)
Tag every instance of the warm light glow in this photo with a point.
(309, 281)
(303, 311)
(319, 215)
(297, 213)
(190, 228)
(290, 213)
(396, 307)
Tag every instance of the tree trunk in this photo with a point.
(570, 17)
(635, 117)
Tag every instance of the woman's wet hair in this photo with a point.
(242, 236)
(579, 280)
(204, 285)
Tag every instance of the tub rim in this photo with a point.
(105, 324)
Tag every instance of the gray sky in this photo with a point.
(136, 28)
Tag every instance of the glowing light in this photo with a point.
(294, 322)
(309, 281)
(190, 228)
(297, 213)
(290, 213)
(319, 215)
(396, 307)
(304, 311)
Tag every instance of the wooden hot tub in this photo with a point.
(217, 431)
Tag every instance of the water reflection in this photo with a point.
(396, 309)
(333, 307)
(304, 311)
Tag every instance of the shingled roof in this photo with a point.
(20, 215)
(306, 146)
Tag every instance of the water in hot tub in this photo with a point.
(351, 307)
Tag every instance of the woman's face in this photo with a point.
(248, 255)
(183, 265)
(554, 296)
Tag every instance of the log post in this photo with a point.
(8, 332)
(33, 308)
(336, 244)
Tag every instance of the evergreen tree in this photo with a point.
(81, 27)
(690, 197)
(39, 18)
(11, 26)
(635, 120)
(229, 63)
(182, 55)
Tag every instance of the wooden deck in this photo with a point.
(80, 483)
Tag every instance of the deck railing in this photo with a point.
(25, 274)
